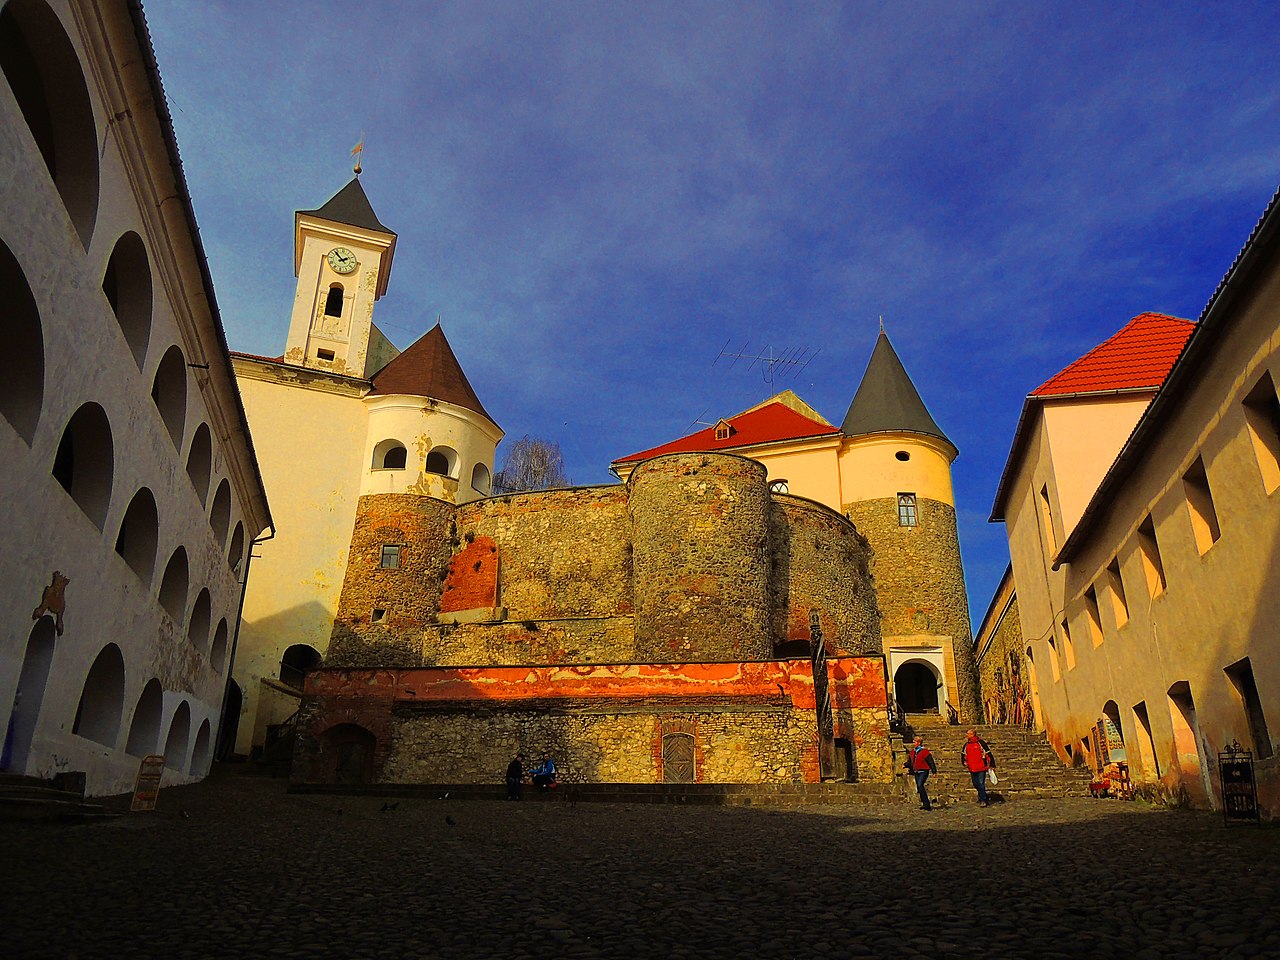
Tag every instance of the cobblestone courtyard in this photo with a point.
(235, 867)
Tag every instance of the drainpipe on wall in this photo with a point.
(220, 746)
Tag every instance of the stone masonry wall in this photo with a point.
(561, 553)
(920, 581)
(700, 528)
(819, 561)
(589, 640)
(1004, 674)
(407, 595)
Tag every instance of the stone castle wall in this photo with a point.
(919, 582)
(383, 611)
(819, 561)
(700, 529)
(1005, 674)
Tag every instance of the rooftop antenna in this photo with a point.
(358, 152)
(773, 366)
(882, 323)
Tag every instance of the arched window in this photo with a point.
(200, 752)
(175, 744)
(200, 461)
(389, 455)
(85, 460)
(169, 391)
(198, 625)
(481, 482)
(144, 731)
(333, 302)
(442, 460)
(127, 285)
(44, 73)
(236, 553)
(22, 346)
(102, 699)
(220, 514)
(295, 663)
(173, 588)
(218, 652)
(136, 542)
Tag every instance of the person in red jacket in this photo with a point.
(976, 757)
(921, 763)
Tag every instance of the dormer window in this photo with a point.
(724, 430)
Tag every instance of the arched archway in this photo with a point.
(85, 461)
(29, 696)
(916, 685)
(127, 286)
(144, 731)
(22, 345)
(349, 751)
(229, 726)
(169, 392)
(175, 744)
(200, 752)
(297, 660)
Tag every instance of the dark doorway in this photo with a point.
(350, 749)
(230, 725)
(297, 662)
(844, 760)
(916, 687)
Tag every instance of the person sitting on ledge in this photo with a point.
(544, 774)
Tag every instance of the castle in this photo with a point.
(684, 609)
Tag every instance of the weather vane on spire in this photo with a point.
(358, 152)
(881, 315)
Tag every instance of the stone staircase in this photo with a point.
(1025, 763)
(30, 798)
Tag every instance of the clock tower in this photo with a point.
(342, 258)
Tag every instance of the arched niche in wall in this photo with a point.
(389, 454)
(136, 542)
(218, 650)
(127, 287)
(22, 346)
(200, 462)
(442, 460)
(176, 743)
(481, 480)
(200, 752)
(144, 730)
(44, 73)
(169, 391)
(102, 698)
(236, 553)
(220, 513)
(85, 460)
(296, 662)
(173, 588)
(198, 624)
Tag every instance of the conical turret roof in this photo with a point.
(350, 205)
(429, 369)
(887, 401)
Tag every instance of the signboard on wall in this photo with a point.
(147, 787)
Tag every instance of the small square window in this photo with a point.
(378, 615)
(907, 516)
(325, 355)
(390, 557)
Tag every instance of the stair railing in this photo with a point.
(953, 715)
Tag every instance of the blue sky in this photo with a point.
(596, 196)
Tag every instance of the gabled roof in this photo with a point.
(772, 423)
(1259, 253)
(429, 368)
(350, 206)
(1139, 355)
(1136, 359)
(887, 401)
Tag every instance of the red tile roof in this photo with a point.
(771, 423)
(1140, 355)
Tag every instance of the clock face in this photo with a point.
(341, 260)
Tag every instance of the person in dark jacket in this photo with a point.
(515, 777)
(975, 756)
(921, 763)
